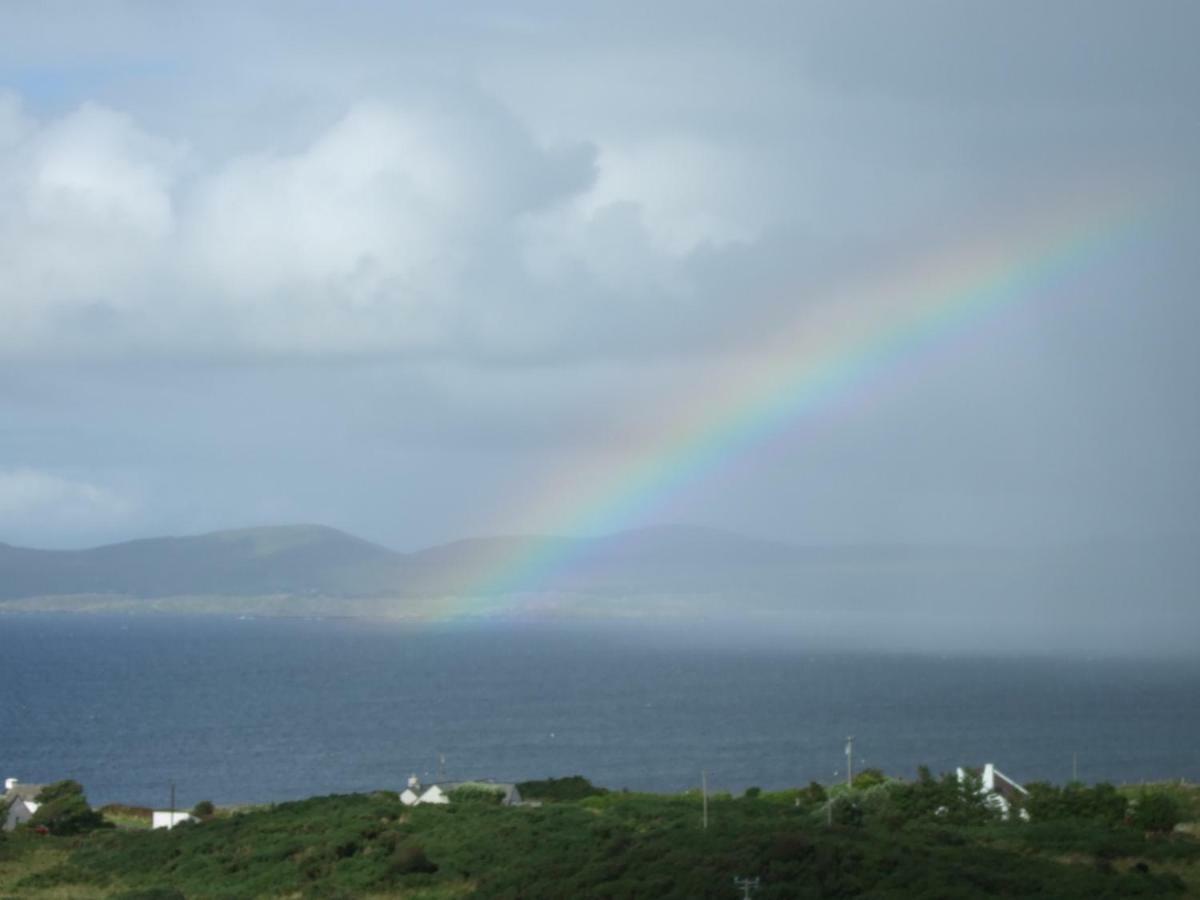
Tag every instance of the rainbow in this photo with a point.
(839, 344)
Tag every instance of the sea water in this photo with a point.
(243, 710)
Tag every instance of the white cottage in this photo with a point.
(21, 803)
(439, 794)
(165, 818)
(1000, 790)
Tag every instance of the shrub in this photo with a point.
(1156, 812)
(868, 778)
(486, 794)
(64, 810)
(204, 809)
(814, 793)
(1102, 803)
(845, 810)
(411, 860)
(753, 792)
(576, 787)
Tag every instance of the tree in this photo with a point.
(63, 809)
(868, 778)
(204, 809)
(1101, 803)
(814, 793)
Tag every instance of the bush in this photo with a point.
(204, 809)
(846, 810)
(814, 793)
(64, 810)
(1102, 803)
(868, 778)
(560, 790)
(1156, 812)
(412, 860)
(486, 794)
(753, 792)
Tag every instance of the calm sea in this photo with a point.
(258, 710)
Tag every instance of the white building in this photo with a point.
(21, 803)
(439, 794)
(1000, 790)
(166, 819)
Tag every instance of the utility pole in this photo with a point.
(441, 767)
(850, 761)
(172, 819)
(747, 885)
(1074, 766)
(704, 797)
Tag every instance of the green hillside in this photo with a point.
(884, 840)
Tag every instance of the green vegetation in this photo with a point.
(560, 790)
(122, 816)
(204, 810)
(929, 837)
(64, 810)
(477, 793)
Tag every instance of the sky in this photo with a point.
(430, 271)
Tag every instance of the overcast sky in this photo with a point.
(404, 268)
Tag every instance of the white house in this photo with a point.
(439, 794)
(21, 803)
(1000, 790)
(162, 818)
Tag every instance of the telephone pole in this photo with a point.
(850, 761)
(704, 797)
(746, 884)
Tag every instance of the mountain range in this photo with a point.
(314, 559)
(1102, 594)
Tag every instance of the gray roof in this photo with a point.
(23, 791)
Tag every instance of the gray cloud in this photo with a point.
(397, 269)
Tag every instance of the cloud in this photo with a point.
(531, 188)
(33, 501)
(444, 253)
(85, 211)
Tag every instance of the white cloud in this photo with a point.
(361, 240)
(32, 500)
(85, 212)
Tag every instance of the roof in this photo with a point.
(21, 791)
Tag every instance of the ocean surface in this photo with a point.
(242, 711)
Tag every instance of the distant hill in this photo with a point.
(249, 561)
(312, 559)
(1103, 595)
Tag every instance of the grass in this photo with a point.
(25, 857)
(128, 817)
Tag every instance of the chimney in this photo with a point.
(9, 784)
